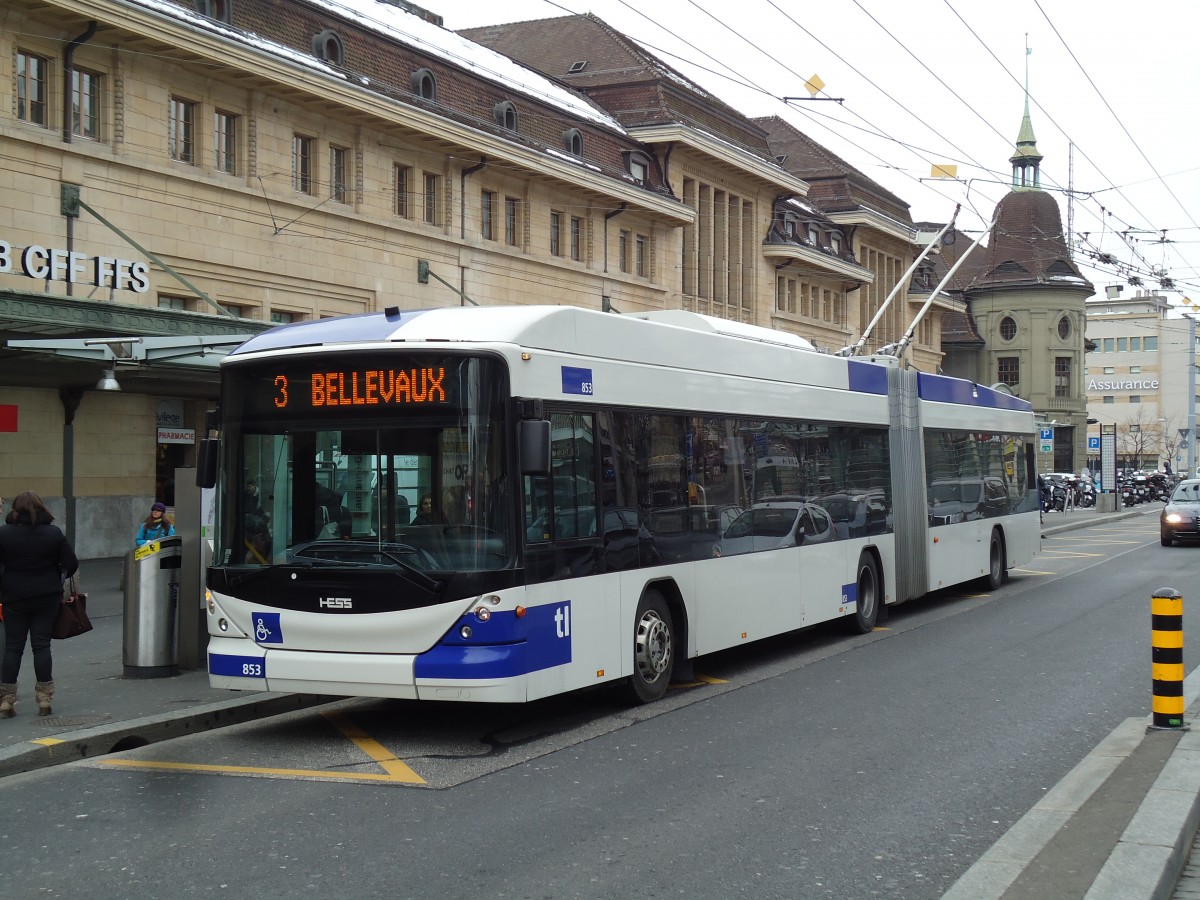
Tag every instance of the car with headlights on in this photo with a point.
(1180, 518)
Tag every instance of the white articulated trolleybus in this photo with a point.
(607, 498)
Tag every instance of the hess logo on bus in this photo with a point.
(335, 603)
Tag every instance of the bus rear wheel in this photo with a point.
(653, 649)
(870, 594)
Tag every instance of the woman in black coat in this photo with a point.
(35, 558)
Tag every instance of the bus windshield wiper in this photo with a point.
(430, 584)
(408, 570)
(251, 575)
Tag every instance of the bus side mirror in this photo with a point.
(534, 438)
(206, 463)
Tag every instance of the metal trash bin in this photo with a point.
(151, 646)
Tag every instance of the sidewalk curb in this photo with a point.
(71, 746)
(1160, 835)
(1048, 528)
(1152, 851)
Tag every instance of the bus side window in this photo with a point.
(563, 506)
(537, 508)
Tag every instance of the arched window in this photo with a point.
(573, 141)
(327, 46)
(221, 10)
(424, 85)
(505, 115)
(637, 164)
(1008, 328)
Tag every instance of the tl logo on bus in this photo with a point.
(562, 621)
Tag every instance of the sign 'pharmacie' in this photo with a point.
(70, 267)
(1123, 384)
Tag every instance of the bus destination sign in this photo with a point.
(360, 387)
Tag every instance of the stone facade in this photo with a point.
(284, 162)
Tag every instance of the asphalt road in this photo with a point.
(818, 765)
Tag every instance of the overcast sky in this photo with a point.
(941, 81)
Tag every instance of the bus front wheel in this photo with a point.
(995, 574)
(870, 594)
(653, 649)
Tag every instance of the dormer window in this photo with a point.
(835, 243)
(424, 85)
(505, 115)
(573, 141)
(327, 46)
(814, 235)
(637, 164)
(220, 10)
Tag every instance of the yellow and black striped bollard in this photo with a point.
(1166, 642)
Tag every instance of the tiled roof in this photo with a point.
(959, 328)
(953, 244)
(1026, 246)
(834, 183)
(632, 84)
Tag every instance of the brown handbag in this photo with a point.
(72, 614)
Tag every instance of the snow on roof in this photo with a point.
(406, 28)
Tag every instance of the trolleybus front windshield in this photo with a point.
(379, 460)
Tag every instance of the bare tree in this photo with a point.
(1171, 440)
(1139, 438)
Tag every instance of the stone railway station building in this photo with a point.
(180, 174)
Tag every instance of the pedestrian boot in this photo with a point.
(8, 697)
(44, 692)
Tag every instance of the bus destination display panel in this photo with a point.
(354, 385)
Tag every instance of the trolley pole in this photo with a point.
(1166, 641)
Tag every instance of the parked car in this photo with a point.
(857, 513)
(954, 500)
(1180, 518)
(686, 533)
(774, 523)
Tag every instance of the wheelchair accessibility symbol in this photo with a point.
(267, 629)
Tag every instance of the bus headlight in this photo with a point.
(465, 632)
(482, 613)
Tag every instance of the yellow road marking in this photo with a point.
(246, 770)
(1033, 572)
(47, 742)
(700, 681)
(395, 770)
(1106, 542)
(368, 745)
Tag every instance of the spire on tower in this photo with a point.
(1026, 161)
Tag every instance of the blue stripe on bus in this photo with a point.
(849, 593)
(867, 378)
(344, 329)
(945, 389)
(547, 644)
